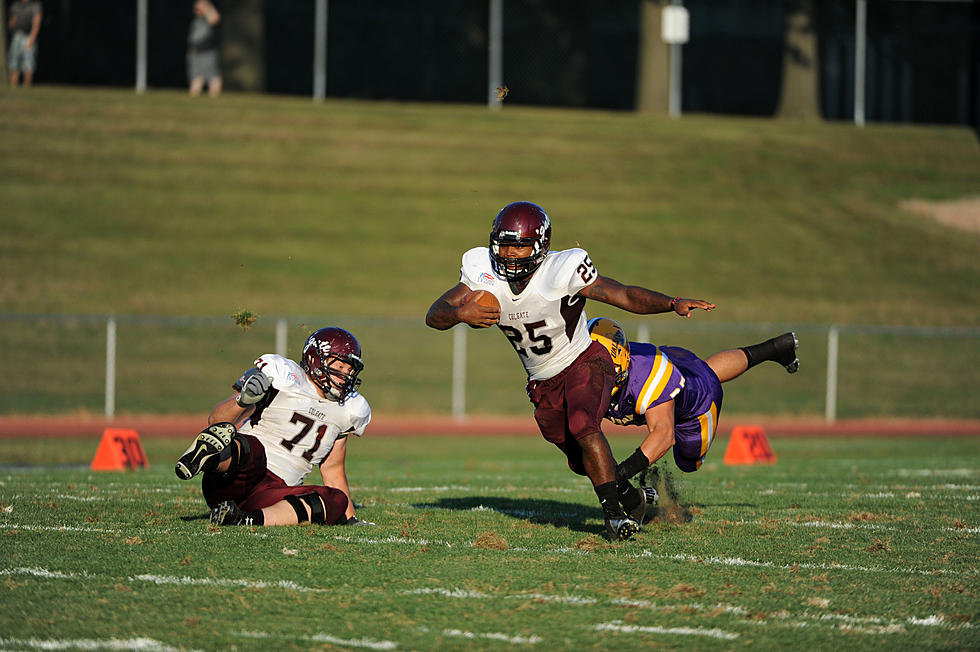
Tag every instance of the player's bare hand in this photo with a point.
(685, 306)
(475, 313)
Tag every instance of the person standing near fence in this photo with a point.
(24, 25)
(542, 297)
(203, 59)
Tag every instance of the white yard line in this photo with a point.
(251, 584)
(55, 528)
(780, 618)
(164, 579)
(368, 643)
(493, 636)
(398, 540)
(140, 644)
(929, 473)
(813, 524)
(737, 561)
(495, 489)
(618, 626)
(448, 593)
(42, 573)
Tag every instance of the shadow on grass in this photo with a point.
(534, 510)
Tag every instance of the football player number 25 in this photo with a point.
(307, 422)
(541, 343)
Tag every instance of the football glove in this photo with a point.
(353, 520)
(254, 384)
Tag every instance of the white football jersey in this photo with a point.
(546, 322)
(296, 426)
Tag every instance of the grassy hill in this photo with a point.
(163, 204)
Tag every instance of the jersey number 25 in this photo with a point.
(516, 338)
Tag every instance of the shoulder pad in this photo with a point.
(283, 372)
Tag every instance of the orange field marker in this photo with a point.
(749, 445)
(119, 449)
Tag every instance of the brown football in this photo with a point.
(483, 298)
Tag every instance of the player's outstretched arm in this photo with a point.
(640, 300)
(454, 307)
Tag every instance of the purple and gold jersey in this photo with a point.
(653, 380)
(659, 374)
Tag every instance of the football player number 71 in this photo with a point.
(307, 422)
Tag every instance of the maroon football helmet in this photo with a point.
(325, 346)
(521, 224)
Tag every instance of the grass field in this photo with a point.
(492, 544)
(162, 206)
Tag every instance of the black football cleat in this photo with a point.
(786, 345)
(205, 452)
(229, 513)
(639, 513)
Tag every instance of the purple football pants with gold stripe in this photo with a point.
(696, 408)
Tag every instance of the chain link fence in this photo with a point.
(921, 64)
(95, 364)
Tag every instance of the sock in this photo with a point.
(258, 518)
(760, 352)
(629, 496)
(632, 465)
(609, 500)
(781, 349)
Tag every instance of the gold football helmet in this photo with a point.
(612, 336)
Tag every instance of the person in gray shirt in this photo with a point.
(203, 65)
(24, 25)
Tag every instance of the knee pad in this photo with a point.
(239, 455)
(317, 512)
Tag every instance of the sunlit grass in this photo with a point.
(851, 543)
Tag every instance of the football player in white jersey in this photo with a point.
(283, 419)
(542, 297)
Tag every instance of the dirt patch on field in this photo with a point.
(963, 214)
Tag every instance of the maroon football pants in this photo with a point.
(254, 487)
(572, 404)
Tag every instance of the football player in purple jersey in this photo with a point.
(283, 419)
(674, 393)
(542, 297)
